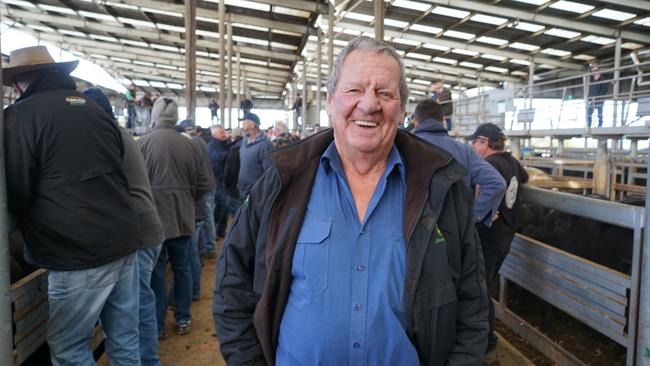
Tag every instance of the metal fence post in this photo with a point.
(643, 324)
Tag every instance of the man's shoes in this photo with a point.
(162, 335)
(183, 328)
(491, 357)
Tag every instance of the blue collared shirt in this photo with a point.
(347, 301)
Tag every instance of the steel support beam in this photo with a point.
(229, 90)
(239, 83)
(6, 332)
(643, 325)
(305, 97)
(222, 62)
(319, 83)
(190, 59)
(617, 75)
(379, 20)
(535, 17)
(330, 37)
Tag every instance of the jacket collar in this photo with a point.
(432, 126)
(49, 80)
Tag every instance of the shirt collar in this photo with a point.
(332, 161)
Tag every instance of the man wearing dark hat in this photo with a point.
(489, 142)
(252, 153)
(66, 185)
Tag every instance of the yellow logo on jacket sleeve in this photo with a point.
(75, 101)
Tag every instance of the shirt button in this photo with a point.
(361, 268)
(362, 232)
(356, 345)
(358, 307)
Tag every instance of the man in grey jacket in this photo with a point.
(252, 153)
(177, 183)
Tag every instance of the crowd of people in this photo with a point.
(360, 244)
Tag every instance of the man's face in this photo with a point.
(480, 145)
(248, 126)
(365, 108)
(219, 133)
(437, 88)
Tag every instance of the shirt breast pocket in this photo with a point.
(312, 255)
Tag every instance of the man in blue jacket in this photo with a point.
(427, 118)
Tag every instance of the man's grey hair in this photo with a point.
(216, 127)
(369, 44)
(281, 126)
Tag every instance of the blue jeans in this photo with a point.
(598, 106)
(234, 202)
(220, 210)
(147, 259)
(78, 299)
(195, 261)
(179, 255)
(207, 241)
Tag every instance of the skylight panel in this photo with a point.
(482, 18)
(435, 47)
(120, 59)
(203, 53)
(444, 60)
(208, 20)
(571, 6)
(562, 33)
(140, 82)
(583, 57)
(72, 33)
(457, 34)
(461, 51)
(40, 28)
(406, 41)
(144, 63)
(500, 70)
(163, 12)
(340, 42)
(134, 43)
(492, 40)
(613, 14)
(121, 5)
(57, 9)
(248, 4)
(529, 27)
(533, 2)
(520, 62)
(136, 22)
(208, 89)
(493, 57)
(556, 52)
(547, 66)
(471, 65)
(395, 23)
(361, 17)
(205, 33)
(524, 46)
(164, 48)
(519, 73)
(418, 56)
(103, 38)
(352, 32)
(598, 40)
(165, 66)
(98, 16)
(97, 55)
(631, 46)
(425, 29)
(260, 42)
(645, 21)
(421, 82)
(22, 3)
(157, 84)
(292, 12)
(454, 13)
(284, 46)
(171, 28)
(175, 86)
(250, 26)
(411, 5)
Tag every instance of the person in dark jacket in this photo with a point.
(245, 104)
(178, 183)
(67, 187)
(489, 142)
(442, 95)
(427, 119)
(218, 149)
(297, 281)
(151, 232)
(231, 172)
(252, 153)
(596, 97)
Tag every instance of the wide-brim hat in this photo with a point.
(29, 59)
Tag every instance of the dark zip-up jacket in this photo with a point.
(446, 300)
(65, 180)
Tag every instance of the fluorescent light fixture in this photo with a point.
(562, 33)
(103, 38)
(22, 3)
(361, 17)
(250, 26)
(556, 52)
(175, 86)
(203, 53)
(613, 15)
(533, 2)
(120, 59)
(340, 42)
(461, 51)
(248, 4)
(571, 6)
(167, 67)
(529, 27)
(284, 46)
(631, 46)
(292, 12)
(435, 47)
(204, 33)
(98, 16)
(546, 66)
(482, 18)
(352, 32)
(407, 42)
(499, 70)
(444, 60)
(40, 28)
(418, 56)
(470, 64)
(524, 46)
(425, 29)
(121, 5)
(72, 33)
(171, 28)
(457, 34)
(519, 73)
(598, 40)
(414, 5)
(493, 57)
(208, 89)
(260, 42)
(449, 12)
(492, 40)
(97, 55)
(140, 82)
(157, 84)
(163, 47)
(134, 43)
(163, 12)
(395, 23)
(645, 21)
(421, 82)
(136, 22)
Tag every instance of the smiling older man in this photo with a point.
(316, 268)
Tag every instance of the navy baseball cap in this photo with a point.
(489, 131)
(252, 117)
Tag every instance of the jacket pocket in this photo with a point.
(312, 255)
